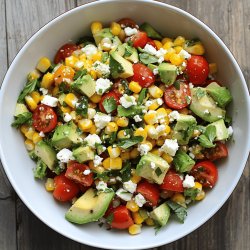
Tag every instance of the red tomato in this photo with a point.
(178, 98)
(218, 152)
(44, 118)
(150, 192)
(65, 189)
(139, 39)
(75, 172)
(151, 42)
(109, 95)
(116, 86)
(127, 22)
(65, 51)
(143, 75)
(120, 217)
(172, 182)
(197, 70)
(206, 173)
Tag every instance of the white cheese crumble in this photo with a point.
(44, 91)
(150, 49)
(65, 155)
(174, 115)
(101, 120)
(97, 160)
(170, 147)
(49, 101)
(127, 101)
(148, 103)
(230, 130)
(67, 117)
(152, 164)
(41, 134)
(184, 54)
(206, 111)
(160, 53)
(89, 50)
(123, 194)
(102, 85)
(92, 140)
(130, 31)
(130, 186)
(101, 68)
(159, 101)
(101, 186)
(161, 128)
(137, 118)
(86, 172)
(191, 155)
(155, 71)
(191, 85)
(79, 64)
(143, 149)
(140, 200)
(188, 181)
(91, 113)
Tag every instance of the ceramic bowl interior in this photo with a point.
(171, 22)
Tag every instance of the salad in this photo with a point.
(126, 125)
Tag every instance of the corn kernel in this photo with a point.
(158, 44)
(95, 27)
(55, 91)
(95, 98)
(150, 117)
(134, 229)
(168, 45)
(36, 96)
(92, 130)
(114, 151)
(179, 198)
(97, 56)
(65, 109)
(50, 185)
(156, 151)
(125, 156)
(106, 163)
(122, 122)
(170, 52)
(198, 186)
(178, 49)
(71, 100)
(179, 41)
(137, 218)
(149, 221)
(115, 163)
(151, 131)
(167, 158)
(135, 87)
(134, 153)
(155, 105)
(141, 132)
(134, 177)
(71, 61)
(155, 92)
(212, 68)
(200, 196)
(132, 206)
(30, 102)
(36, 138)
(115, 28)
(29, 145)
(106, 44)
(33, 75)
(43, 64)
(24, 128)
(93, 74)
(29, 134)
(121, 134)
(122, 35)
(166, 39)
(85, 124)
(111, 127)
(176, 59)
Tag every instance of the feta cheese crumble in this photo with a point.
(101, 186)
(123, 194)
(170, 147)
(130, 186)
(91, 113)
(49, 101)
(86, 172)
(102, 85)
(184, 54)
(174, 115)
(67, 117)
(130, 31)
(155, 71)
(65, 155)
(137, 118)
(143, 149)
(127, 101)
(140, 200)
(44, 91)
(92, 140)
(150, 49)
(188, 181)
(97, 160)
(89, 50)
(41, 134)
(101, 68)
(101, 120)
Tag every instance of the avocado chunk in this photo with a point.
(129, 112)
(84, 85)
(65, 136)
(83, 154)
(161, 214)
(204, 106)
(120, 67)
(91, 206)
(183, 162)
(103, 33)
(46, 153)
(168, 73)
(20, 109)
(184, 129)
(221, 130)
(221, 95)
(128, 52)
(151, 32)
(152, 168)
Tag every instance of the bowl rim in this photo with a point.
(150, 2)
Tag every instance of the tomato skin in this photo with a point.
(127, 22)
(65, 189)
(107, 96)
(172, 182)
(75, 172)
(197, 70)
(218, 152)
(44, 118)
(65, 51)
(151, 42)
(121, 217)
(143, 75)
(139, 39)
(177, 99)
(150, 192)
(206, 173)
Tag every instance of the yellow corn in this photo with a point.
(95, 98)
(36, 138)
(212, 68)
(83, 57)
(200, 196)
(111, 127)
(29, 145)
(71, 61)
(116, 163)
(36, 96)
(198, 186)
(106, 163)
(167, 157)
(125, 156)
(115, 28)
(74, 115)
(151, 131)
(134, 229)
(43, 64)
(71, 100)
(95, 27)
(85, 124)
(197, 49)
(166, 39)
(92, 130)
(132, 206)
(179, 41)
(155, 105)
(29, 134)
(161, 113)
(179, 198)
(178, 49)
(35, 74)
(106, 44)
(134, 153)
(30, 102)
(55, 91)
(149, 221)
(150, 118)
(160, 142)
(65, 109)
(175, 59)
(155, 91)
(24, 128)
(134, 177)
(114, 152)
(168, 130)
(135, 87)
(158, 44)
(141, 132)
(169, 53)
(149, 143)
(122, 122)
(122, 35)
(156, 151)
(97, 56)
(121, 134)
(137, 218)
(50, 185)
(168, 45)
(93, 74)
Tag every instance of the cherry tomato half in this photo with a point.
(206, 173)
(109, 95)
(172, 182)
(44, 118)
(139, 39)
(127, 22)
(65, 189)
(218, 152)
(143, 75)
(65, 51)
(75, 172)
(150, 192)
(178, 98)
(197, 70)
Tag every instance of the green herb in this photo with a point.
(21, 119)
(29, 87)
(99, 148)
(112, 137)
(105, 56)
(64, 88)
(157, 229)
(128, 51)
(192, 42)
(40, 170)
(179, 211)
(206, 139)
(200, 93)
(33, 156)
(158, 172)
(126, 171)
(127, 143)
(109, 104)
(142, 96)
(177, 84)
(79, 74)
(147, 58)
(191, 192)
(58, 169)
(82, 108)
(102, 176)
(110, 218)
(124, 83)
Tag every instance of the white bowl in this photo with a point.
(170, 21)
